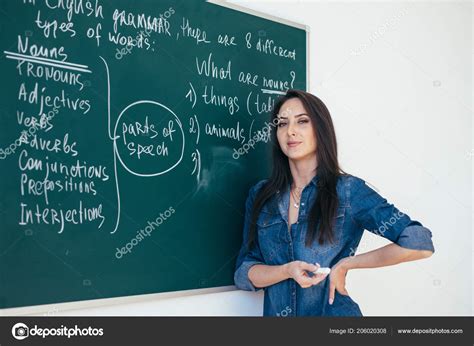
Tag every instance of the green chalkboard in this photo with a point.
(130, 133)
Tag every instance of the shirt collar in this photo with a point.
(314, 181)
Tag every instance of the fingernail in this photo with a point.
(331, 301)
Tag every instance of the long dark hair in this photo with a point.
(324, 208)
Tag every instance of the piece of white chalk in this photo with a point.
(322, 271)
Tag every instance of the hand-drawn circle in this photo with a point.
(156, 171)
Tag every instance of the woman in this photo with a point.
(311, 214)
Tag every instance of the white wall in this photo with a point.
(397, 78)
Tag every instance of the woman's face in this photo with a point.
(295, 131)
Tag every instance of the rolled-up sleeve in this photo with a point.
(247, 257)
(375, 214)
(416, 237)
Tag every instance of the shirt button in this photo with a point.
(302, 203)
(294, 293)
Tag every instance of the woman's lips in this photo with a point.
(293, 144)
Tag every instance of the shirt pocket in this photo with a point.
(338, 229)
(271, 235)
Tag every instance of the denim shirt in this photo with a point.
(360, 207)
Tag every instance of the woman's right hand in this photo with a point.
(298, 271)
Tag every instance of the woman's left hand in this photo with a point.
(337, 280)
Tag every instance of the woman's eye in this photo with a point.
(302, 121)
